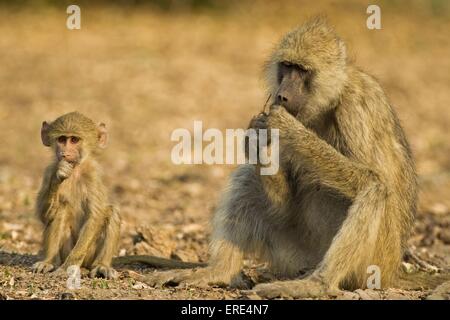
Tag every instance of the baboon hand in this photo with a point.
(280, 118)
(42, 267)
(64, 171)
(259, 121)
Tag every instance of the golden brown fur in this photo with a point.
(80, 226)
(345, 195)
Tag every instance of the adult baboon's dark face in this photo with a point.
(307, 71)
(293, 86)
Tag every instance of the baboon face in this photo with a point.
(68, 148)
(73, 137)
(306, 72)
(293, 85)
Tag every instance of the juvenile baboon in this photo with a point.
(345, 195)
(80, 226)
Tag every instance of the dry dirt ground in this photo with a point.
(145, 72)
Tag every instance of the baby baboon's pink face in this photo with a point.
(68, 148)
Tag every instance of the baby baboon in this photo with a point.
(345, 195)
(80, 227)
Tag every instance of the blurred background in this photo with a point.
(146, 68)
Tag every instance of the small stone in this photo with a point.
(14, 235)
(192, 228)
(368, 294)
(251, 295)
(218, 172)
(393, 295)
(139, 285)
(439, 209)
(409, 267)
(347, 295)
(134, 185)
(12, 226)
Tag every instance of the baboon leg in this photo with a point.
(236, 231)
(53, 240)
(355, 247)
(365, 239)
(91, 229)
(101, 267)
(222, 271)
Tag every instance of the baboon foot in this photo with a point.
(60, 272)
(42, 267)
(102, 271)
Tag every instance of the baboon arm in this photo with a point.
(87, 237)
(112, 238)
(53, 234)
(52, 216)
(330, 167)
(304, 149)
(47, 198)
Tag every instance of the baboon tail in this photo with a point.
(157, 262)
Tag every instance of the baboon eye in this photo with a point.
(62, 139)
(74, 140)
(287, 64)
(302, 69)
(294, 66)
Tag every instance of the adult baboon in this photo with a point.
(345, 195)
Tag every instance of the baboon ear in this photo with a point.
(102, 135)
(44, 134)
